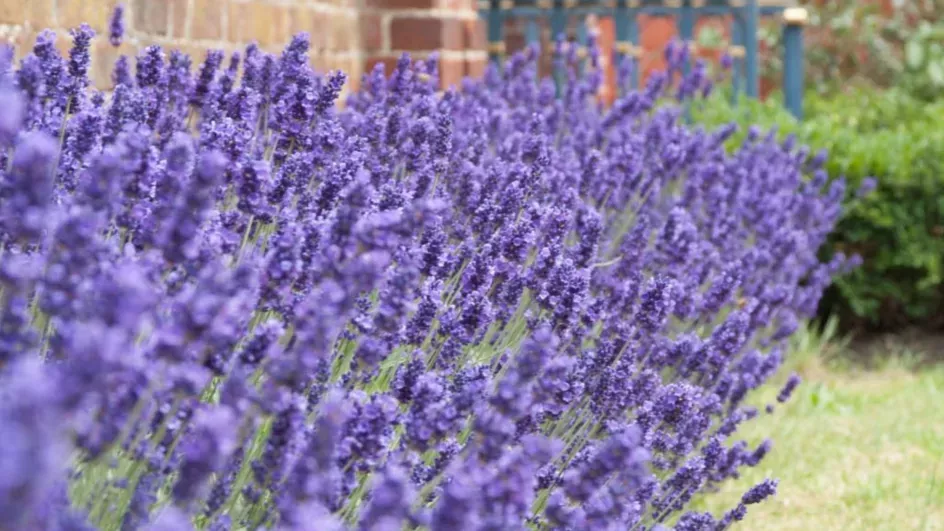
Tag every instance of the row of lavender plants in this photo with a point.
(229, 303)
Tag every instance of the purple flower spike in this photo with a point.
(792, 382)
(760, 492)
(867, 187)
(12, 112)
(116, 26)
(28, 187)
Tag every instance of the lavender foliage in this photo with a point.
(227, 302)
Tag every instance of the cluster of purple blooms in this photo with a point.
(227, 303)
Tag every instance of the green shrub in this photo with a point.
(898, 229)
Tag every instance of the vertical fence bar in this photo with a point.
(558, 20)
(686, 29)
(627, 38)
(496, 26)
(558, 28)
(633, 30)
(794, 19)
(635, 40)
(621, 34)
(751, 66)
(737, 54)
(532, 30)
(582, 31)
(582, 34)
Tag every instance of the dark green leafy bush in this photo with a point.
(899, 229)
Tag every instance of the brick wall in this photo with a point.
(349, 35)
(450, 27)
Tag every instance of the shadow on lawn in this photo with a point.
(914, 348)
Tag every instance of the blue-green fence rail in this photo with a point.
(745, 16)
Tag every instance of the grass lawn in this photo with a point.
(854, 449)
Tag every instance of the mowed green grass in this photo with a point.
(854, 449)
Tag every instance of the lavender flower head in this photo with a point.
(12, 112)
(867, 186)
(116, 26)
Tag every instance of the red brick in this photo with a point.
(656, 34)
(414, 34)
(301, 20)
(475, 67)
(151, 16)
(96, 13)
(514, 35)
(350, 66)
(63, 42)
(354, 68)
(354, 82)
(474, 36)
(335, 37)
(321, 63)
(41, 13)
(13, 11)
(207, 20)
(514, 43)
(371, 32)
(322, 36)
(453, 34)
(277, 32)
(401, 4)
(451, 72)
(264, 23)
(197, 53)
(104, 56)
(605, 38)
(458, 5)
(341, 33)
(390, 64)
(21, 39)
(320, 27)
(178, 18)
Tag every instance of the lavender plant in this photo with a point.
(226, 303)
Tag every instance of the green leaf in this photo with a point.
(914, 54)
(936, 72)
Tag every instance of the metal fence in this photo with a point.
(745, 16)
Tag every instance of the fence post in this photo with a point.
(582, 38)
(558, 20)
(751, 68)
(686, 29)
(736, 51)
(532, 31)
(627, 37)
(794, 19)
(558, 28)
(621, 34)
(532, 28)
(496, 25)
